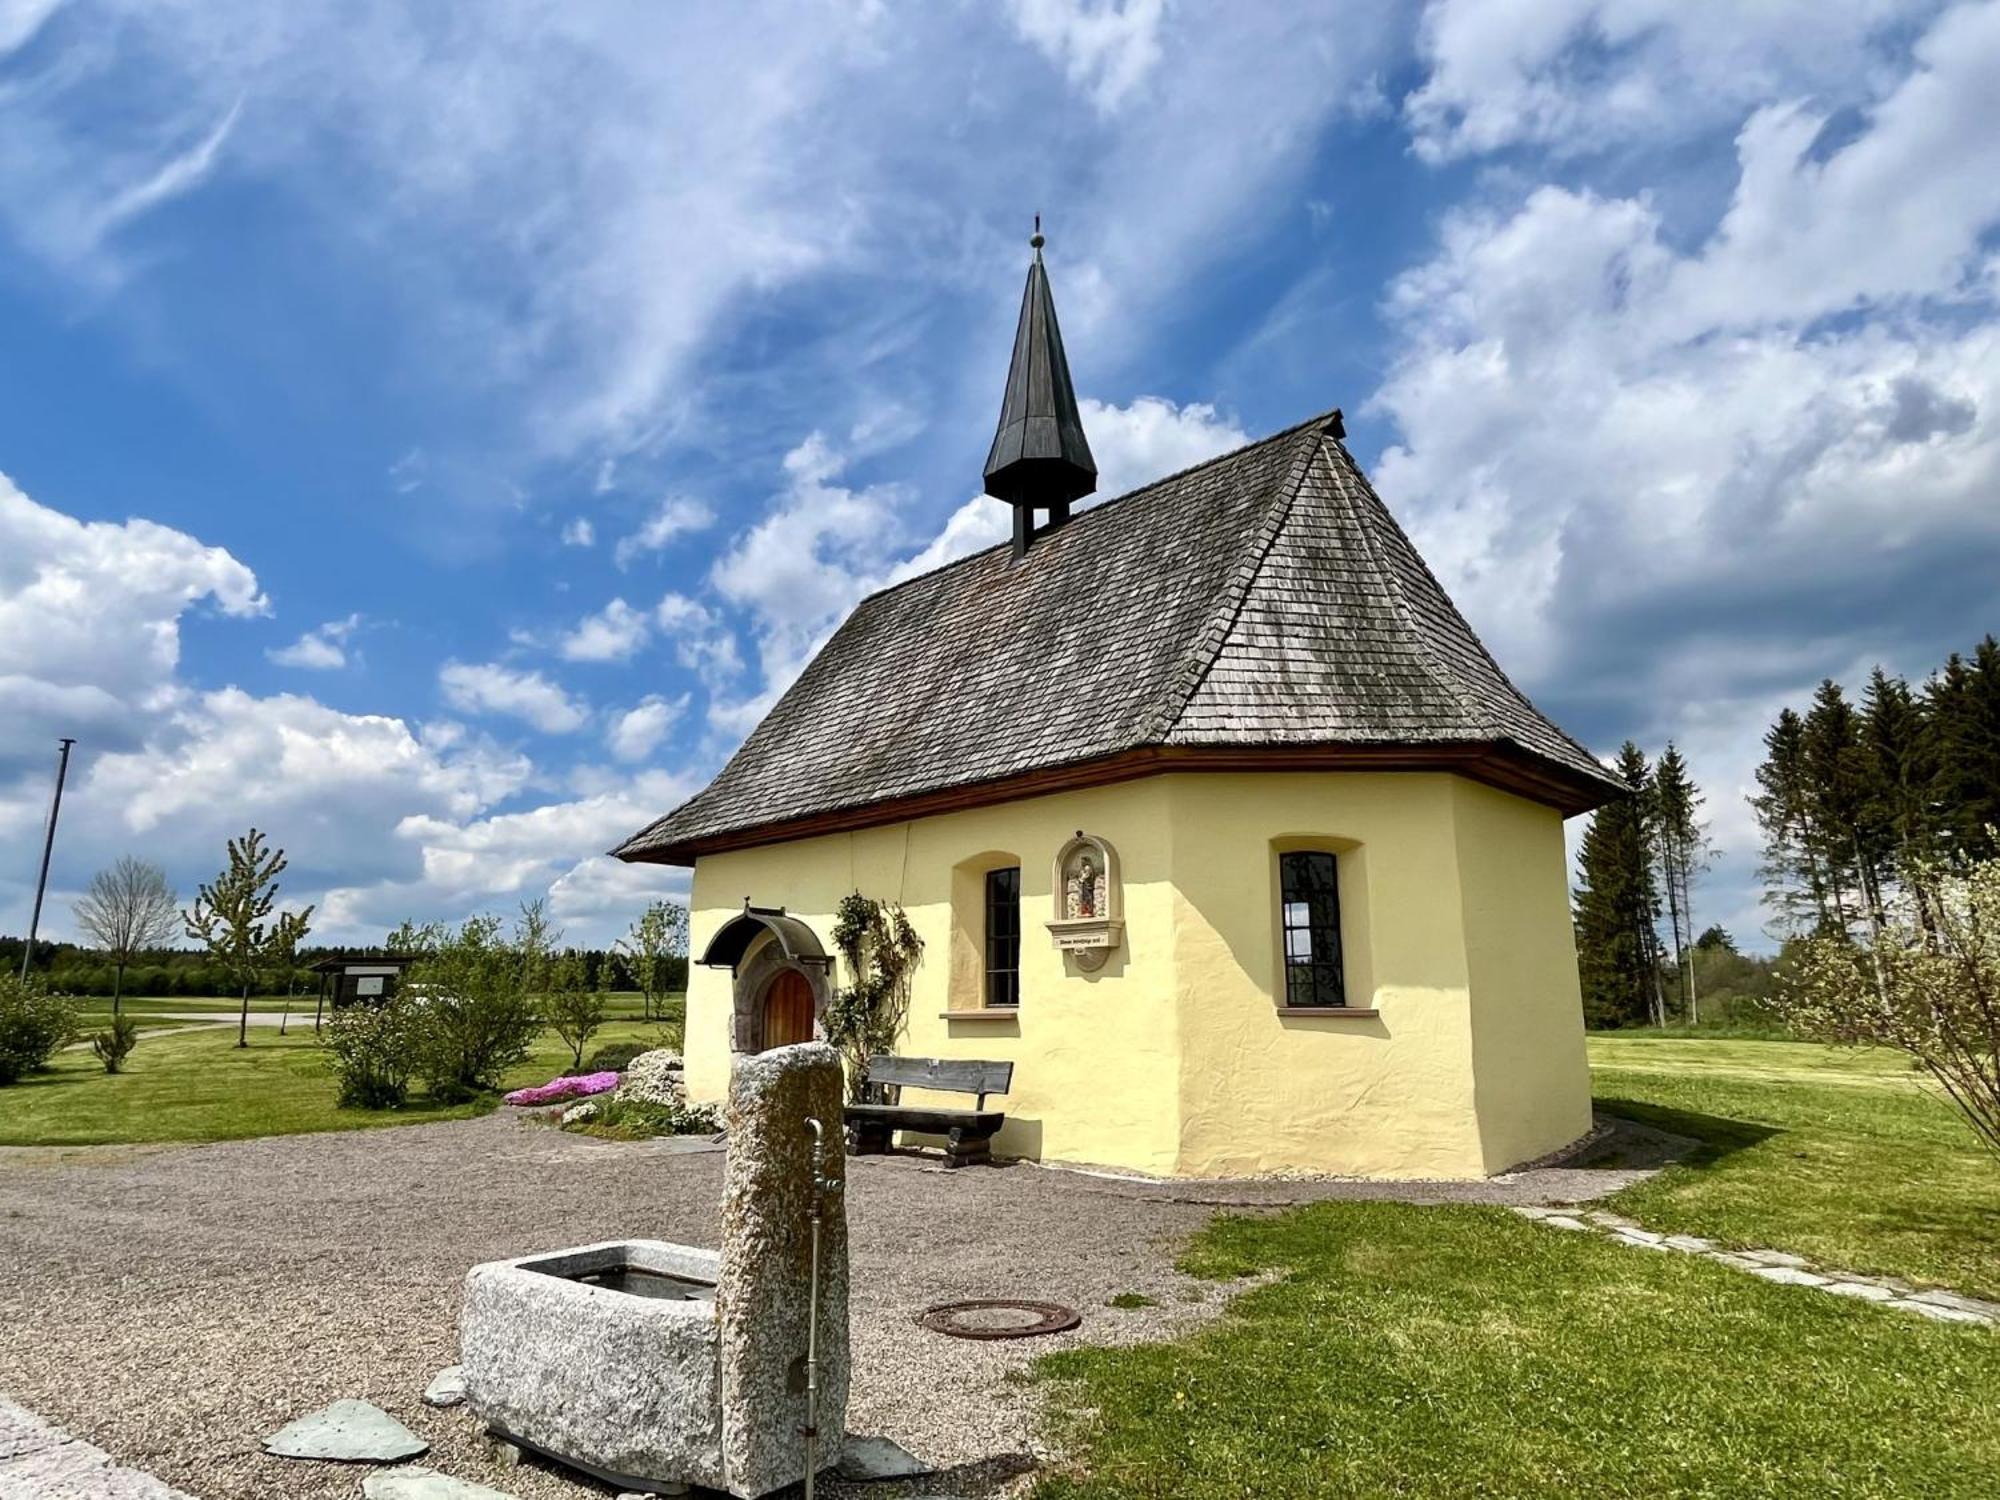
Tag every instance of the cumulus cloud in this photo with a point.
(578, 532)
(1581, 76)
(1106, 47)
(321, 649)
(490, 688)
(672, 517)
(637, 732)
(90, 619)
(1677, 478)
(612, 634)
(21, 19)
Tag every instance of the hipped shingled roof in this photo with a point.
(1259, 611)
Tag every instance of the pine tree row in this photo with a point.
(1640, 858)
(1856, 803)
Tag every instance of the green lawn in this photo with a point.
(1837, 1154)
(200, 1086)
(1463, 1351)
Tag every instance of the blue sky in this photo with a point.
(436, 436)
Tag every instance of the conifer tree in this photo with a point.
(1962, 706)
(1837, 788)
(1793, 882)
(1902, 831)
(1616, 906)
(1680, 851)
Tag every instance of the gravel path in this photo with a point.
(174, 1305)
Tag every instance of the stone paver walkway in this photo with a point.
(1774, 1265)
(42, 1462)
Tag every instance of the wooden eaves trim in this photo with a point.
(1494, 763)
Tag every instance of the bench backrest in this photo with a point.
(950, 1074)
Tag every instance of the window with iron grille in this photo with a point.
(1310, 907)
(1003, 937)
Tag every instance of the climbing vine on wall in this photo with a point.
(880, 952)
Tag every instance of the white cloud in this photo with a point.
(614, 633)
(578, 532)
(1106, 47)
(90, 619)
(674, 516)
(804, 564)
(1581, 76)
(323, 648)
(637, 732)
(1675, 478)
(491, 688)
(21, 19)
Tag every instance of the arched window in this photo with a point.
(1309, 911)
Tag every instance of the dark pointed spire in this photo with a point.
(1040, 459)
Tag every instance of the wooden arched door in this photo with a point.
(788, 1010)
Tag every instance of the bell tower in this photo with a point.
(1040, 460)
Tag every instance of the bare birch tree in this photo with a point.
(127, 910)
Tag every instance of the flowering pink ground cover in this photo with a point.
(574, 1086)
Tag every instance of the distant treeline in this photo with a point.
(166, 973)
(1859, 802)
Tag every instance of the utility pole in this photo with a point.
(48, 848)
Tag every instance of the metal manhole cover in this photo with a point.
(998, 1318)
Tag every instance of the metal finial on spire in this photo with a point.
(1036, 241)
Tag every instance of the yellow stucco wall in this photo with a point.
(1532, 1074)
(1174, 1059)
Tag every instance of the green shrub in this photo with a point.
(471, 1006)
(115, 1044)
(34, 1023)
(374, 1051)
(615, 1057)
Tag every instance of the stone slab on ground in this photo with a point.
(1864, 1291)
(416, 1483)
(39, 1461)
(1939, 1313)
(447, 1387)
(1780, 1258)
(347, 1432)
(1977, 1306)
(1788, 1276)
(869, 1458)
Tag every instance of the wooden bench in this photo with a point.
(968, 1133)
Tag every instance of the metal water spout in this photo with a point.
(822, 1186)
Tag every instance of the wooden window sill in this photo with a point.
(986, 1013)
(1357, 1012)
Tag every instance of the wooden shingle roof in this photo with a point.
(1260, 610)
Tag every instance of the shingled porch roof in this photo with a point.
(1262, 610)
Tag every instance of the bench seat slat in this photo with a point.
(931, 1121)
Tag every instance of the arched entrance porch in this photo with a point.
(781, 978)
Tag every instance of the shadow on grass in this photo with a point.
(1715, 1136)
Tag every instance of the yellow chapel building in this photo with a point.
(1216, 820)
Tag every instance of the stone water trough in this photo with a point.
(656, 1366)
